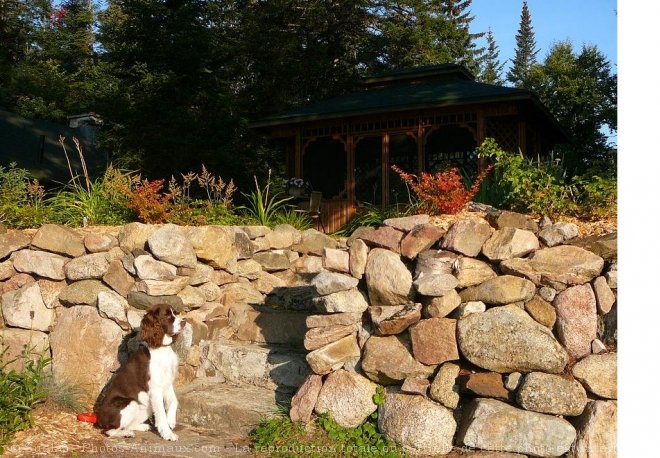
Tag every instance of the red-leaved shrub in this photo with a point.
(148, 202)
(442, 192)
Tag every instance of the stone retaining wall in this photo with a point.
(492, 334)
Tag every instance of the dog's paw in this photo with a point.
(169, 436)
(171, 424)
(144, 427)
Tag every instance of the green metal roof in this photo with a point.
(405, 96)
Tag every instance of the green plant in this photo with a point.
(265, 205)
(598, 195)
(19, 393)
(22, 198)
(535, 186)
(373, 215)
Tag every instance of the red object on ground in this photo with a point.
(89, 417)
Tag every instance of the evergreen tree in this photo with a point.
(580, 90)
(492, 73)
(457, 38)
(526, 51)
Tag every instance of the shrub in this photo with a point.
(442, 192)
(22, 198)
(372, 215)
(19, 393)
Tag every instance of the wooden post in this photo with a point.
(350, 151)
(385, 160)
(298, 153)
(481, 136)
(420, 147)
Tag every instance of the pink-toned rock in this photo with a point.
(406, 223)
(358, 258)
(333, 356)
(484, 384)
(118, 279)
(6, 270)
(394, 319)
(336, 260)
(416, 385)
(384, 237)
(16, 282)
(97, 243)
(467, 236)
(419, 239)
(303, 402)
(577, 319)
(348, 396)
(604, 296)
(319, 337)
(441, 306)
(388, 360)
(434, 341)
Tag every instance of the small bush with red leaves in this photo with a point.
(442, 192)
(148, 202)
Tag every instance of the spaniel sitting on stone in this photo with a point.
(144, 385)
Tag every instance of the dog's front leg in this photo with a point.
(171, 404)
(160, 417)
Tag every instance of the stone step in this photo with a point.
(209, 404)
(272, 367)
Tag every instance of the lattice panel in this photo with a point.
(505, 132)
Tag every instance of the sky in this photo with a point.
(581, 21)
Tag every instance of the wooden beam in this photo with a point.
(522, 136)
(420, 147)
(481, 136)
(385, 161)
(350, 151)
(298, 153)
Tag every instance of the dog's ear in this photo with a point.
(151, 330)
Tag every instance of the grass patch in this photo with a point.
(279, 437)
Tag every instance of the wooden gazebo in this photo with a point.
(419, 119)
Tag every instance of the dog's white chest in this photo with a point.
(163, 366)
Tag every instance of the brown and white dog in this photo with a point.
(144, 385)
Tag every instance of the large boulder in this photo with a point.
(331, 282)
(213, 244)
(320, 337)
(506, 339)
(512, 219)
(25, 308)
(394, 319)
(596, 431)
(388, 279)
(134, 236)
(352, 300)
(142, 301)
(99, 243)
(508, 243)
(348, 396)
(435, 284)
(604, 246)
(283, 236)
(467, 236)
(598, 374)
(435, 262)
(384, 237)
(83, 292)
(333, 319)
(553, 394)
(312, 241)
(148, 268)
(84, 347)
(406, 223)
(12, 241)
(502, 290)
(542, 311)
(117, 278)
(494, 425)
(604, 296)
(112, 306)
(59, 239)
(577, 319)
(421, 238)
(170, 244)
(441, 306)
(17, 346)
(273, 261)
(559, 266)
(86, 267)
(472, 272)
(421, 426)
(47, 265)
(162, 287)
(388, 360)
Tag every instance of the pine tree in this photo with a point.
(526, 51)
(492, 73)
(461, 44)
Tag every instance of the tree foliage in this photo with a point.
(492, 72)
(581, 91)
(526, 51)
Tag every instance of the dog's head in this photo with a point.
(160, 326)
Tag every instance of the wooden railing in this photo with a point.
(335, 213)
